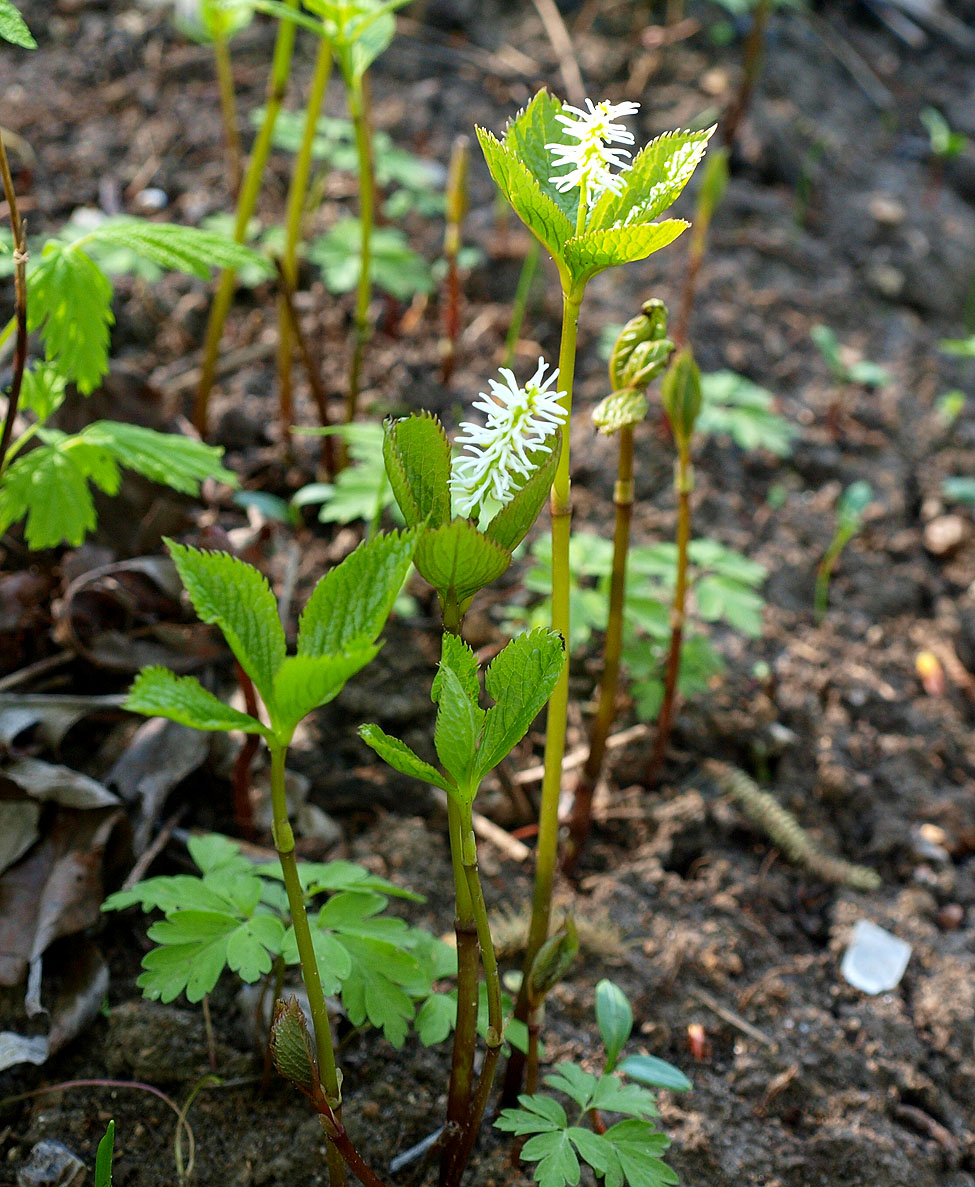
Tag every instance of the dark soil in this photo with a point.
(834, 214)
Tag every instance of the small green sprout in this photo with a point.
(736, 407)
(945, 142)
(104, 1153)
(863, 372)
(850, 510)
(629, 1151)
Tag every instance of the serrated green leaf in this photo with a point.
(70, 303)
(458, 561)
(158, 692)
(13, 27)
(537, 1114)
(237, 598)
(457, 731)
(401, 758)
(50, 486)
(621, 410)
(597, 1152)
(540, 213)
(659, 173)
(179, 249)
(251, 947)
(417, 456)
(512, 523)
(520, 679)
(306, 682)
(349, 606)
(43, 390)
(456, 655)
(654, 1072)
(331, 956)
(528, 135)
(614, 1017)
(374, 990)
(637, 1146)
(175, 461)
(587, 254)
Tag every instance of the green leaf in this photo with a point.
(733, 405)
(621, 410)
(458, 561)
(557, 1161)
(512, 523)
(457, 731)
(528, 135)
(349, 606)
(50, 486)
(106, 1147)
(70, 303)
(374, 990)
(460, 658)
(536, 1115)
(417, 456)
(520, 679)
(612, 1096)
(168, 894)
(401, 758)
(725, 599)
(43, 390)
(654, 1072)
(587, 254)
(213, 852)
(175, 461)
(614, 1017)
(436, 1018)
(192, 954)
(179, 249)
(13, 28)
(235, 596)
(540, 213)
(158, 692)
(659, 173)
(577, 1084)
(637, 1144)
(393, 266)
(331, 956)
(306, 682)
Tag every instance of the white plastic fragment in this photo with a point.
(875, 960)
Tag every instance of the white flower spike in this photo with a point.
(519, 419)
(592, 159)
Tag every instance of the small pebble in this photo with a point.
(151, 200)
(887, 210)
(951, 916)
(51, 1164)
(945, 535)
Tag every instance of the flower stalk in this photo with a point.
(359, 110)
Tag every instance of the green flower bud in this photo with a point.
(642, 349)
(681, 396)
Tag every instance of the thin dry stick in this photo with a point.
(558, 34)
(20, 302)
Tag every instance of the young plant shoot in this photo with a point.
(640, 354)
(628, 1151)
(850, 509)
(566, 172)
(337, 636)
(497, 488)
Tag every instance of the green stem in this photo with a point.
(548, 821)
(246, 203)
(284, 842)
(465, 1032)
(228, 110)
(359, 108)
(297, 196)
(492, 980)
(581, 821)
(684, 483)
(824, 572)
(519, 306)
